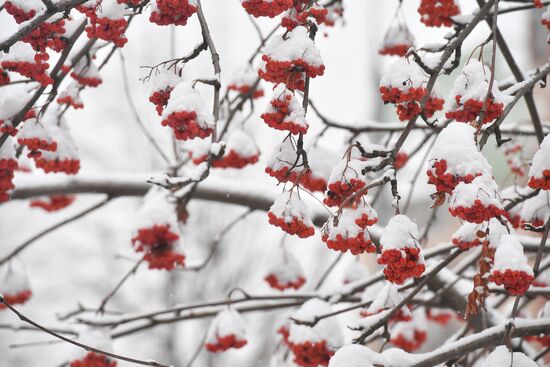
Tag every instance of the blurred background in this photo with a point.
(82, 262)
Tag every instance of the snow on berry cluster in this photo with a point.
(345, 180)
(475, 234)
(176, 12)
(37, 137)
(539, 174)
(52, 203)
(187, 114)
(285, 272)
(410, 335)
(22, 59)
(157, 235)
(404, 86)
(99, 338)
(8, 165)
(455, 158)
(437, 13)
(244, 81)
(285, 112)
(12, 100)
(401, 251)
(535, 211)
(14, 283)
(284, 164)
(302, 12)
(314, 346)
(289, 59)
(397, 41)
(510, 268)
(240, 151)
(107, 22)
(477, 201)
(23, 10)
(227, 331)
(546, 18)
(349, 231)
(356, 270)
(470, 89)
(510, 194)
(291, 214)
(86, 73)
(321, 161)
(70, 96)
(266, 8)
(386, 299)
(92, 359)
(163, 84)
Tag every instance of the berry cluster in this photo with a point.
(110, 30)
(401, 315)
(246, 89)
(433, 104)
(4, 77)
(516, 282)
(35, 145)
(437, 13)
(7, 167)
(299, 14)
(233, 159)
(463, 244)
(440, 316)
(283, 174)
(266, 8)
(542, 182)
(160, 99)
(276, 283)
(338, 191)
(311, 354)
(359, 244)
(400, 160)
(84, 80)
(477, 213)
(36, 70)
(6, 127)
(224, 343)
(285, 113)
(185, 125)
(407, 102)
(18, 13)
(52, 203)
(94, 360)
(292, 73)
(175, 12)
(16, 299)
(67, 165)
(471, 109)
(401, 264)
(47, 35)
(70, 101)
(295, 226)
(402, 341)
(443, 180)
(158, 244)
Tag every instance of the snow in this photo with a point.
(157, 209)
(245, 76)
(66, 145)
(86, 68)
(37, 129)
(28, 5)
(502, 356)
(227, 322)
(111, 9)
(327, 329)
(185, 98)
(289, 206)
(7, 150)
(347, 170)
(387, 298)
(284, 155)
(398, 34)
(455, 144)
(163, 80)
(482, 188)
(12, 100)
(541, 159)
(285, 267)
(356, 270)
(19, 52)
(400, 232)
(321, 161)
(546, 14)
(537, 207)
(473, 83)
(404, 74)
(353, 355)
(346, 227)
(241, 143)
(13, 278)
(296, 113)
(296, 45)
(509, 255)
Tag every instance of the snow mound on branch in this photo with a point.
(7, 150)
(501, 356)
(400, 232)
(387, 298)
(12, 100)
(536, 210)
(157, 209)
(327, 329)
(19, 52)
(353, 355)
(404, 75)
(288, 206)
(242, 144)
(111, 9)
(297, 45)
(356, 270)
(286, 268)
(163, 80)
(283, 156)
